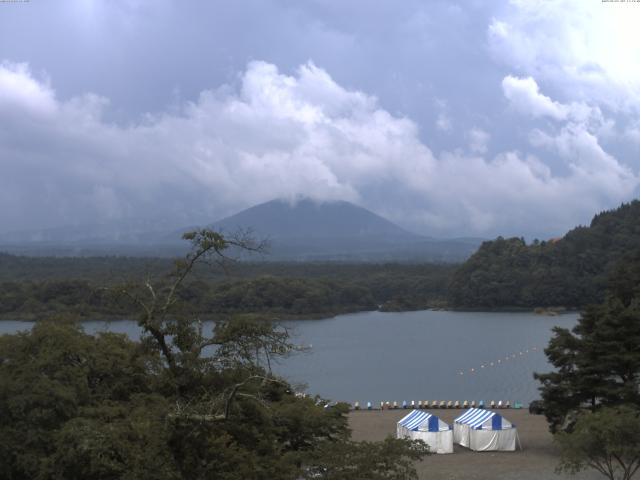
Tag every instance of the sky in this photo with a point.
(450, 118)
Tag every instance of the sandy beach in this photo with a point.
(537, 459)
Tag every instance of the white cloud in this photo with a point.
(632, 132)
(20, 92)
(586, 158)
(277, 136)
(525, 96)
(280, 135)
(587, 49)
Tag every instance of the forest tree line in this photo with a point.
(571, 272)
(504, 273)
(360, 288)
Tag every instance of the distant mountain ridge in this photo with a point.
(303, 230)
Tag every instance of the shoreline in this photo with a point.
(543, 312)
(537, 459)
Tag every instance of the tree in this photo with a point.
(598, 362)
(58, 384)
(391, 459)
(183, 403)
(592, 398)
(571, 271)
(607, 440)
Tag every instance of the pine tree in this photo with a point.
(597, 362)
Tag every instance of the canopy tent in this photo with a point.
(421, 425)
(484, 430)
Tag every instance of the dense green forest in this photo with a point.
(505, 273)
(570, 272)
(77, 406)
(87, 287)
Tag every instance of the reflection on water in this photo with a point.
(425, 355)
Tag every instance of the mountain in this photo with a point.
(307, 218)
(572, 271)
(339, 230)
(304, 230)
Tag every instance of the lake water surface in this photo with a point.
(424, 355)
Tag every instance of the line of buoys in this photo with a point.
(443, 404)
(498, 362)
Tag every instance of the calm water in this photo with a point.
(426, 355)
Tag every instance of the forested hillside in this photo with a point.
(570, 271)
(504, 273)
(86, 287)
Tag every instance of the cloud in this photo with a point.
(20, 92)
(632, 132)
(587, 159)
(478, 140)
(587, 50)
(443, 122)
(524, 95)
(585, 54)
(278, 135)
(275, 136)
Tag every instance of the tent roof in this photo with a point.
(477, 417)
(419, 420)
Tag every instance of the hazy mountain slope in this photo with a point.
(300, 231)
(307, 230)
(306, 218)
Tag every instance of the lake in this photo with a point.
(424, 355)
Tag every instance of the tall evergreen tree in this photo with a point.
(597, 362)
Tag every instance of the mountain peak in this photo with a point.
(305, 217)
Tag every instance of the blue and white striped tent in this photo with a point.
(421, 425)
(484, 430)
